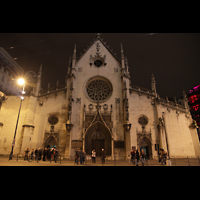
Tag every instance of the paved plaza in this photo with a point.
(175, 162)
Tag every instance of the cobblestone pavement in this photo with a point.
(178, 162)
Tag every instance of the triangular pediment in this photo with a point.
(98, 118)
(98, 39)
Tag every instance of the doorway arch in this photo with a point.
(51, 141)
(145, 144)
(98, 137)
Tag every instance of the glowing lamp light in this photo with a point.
(21, 81)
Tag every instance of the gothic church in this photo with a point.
(97, 108)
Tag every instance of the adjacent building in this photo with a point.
(194, 102)
(9, 72)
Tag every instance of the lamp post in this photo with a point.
(20, 82)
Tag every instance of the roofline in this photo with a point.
(98, 38)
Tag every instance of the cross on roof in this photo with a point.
(98, 35)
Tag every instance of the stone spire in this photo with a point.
(153, 84)
(74, 57)
(126, 65)
(69, 65)
(122, 57)
(122, 52)
(38, 84)
(74, 54)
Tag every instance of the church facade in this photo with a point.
(98, 108)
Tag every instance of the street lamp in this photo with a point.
(20, 82)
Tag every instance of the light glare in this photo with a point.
(21, 81)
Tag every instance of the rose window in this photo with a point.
(99, 90)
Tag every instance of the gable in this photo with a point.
(97, 61)
(98, 49)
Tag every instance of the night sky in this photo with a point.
(173, 58)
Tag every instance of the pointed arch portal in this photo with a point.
(51, 141)
(98, 137)
(145, 144)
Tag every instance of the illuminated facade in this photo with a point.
(98, 107)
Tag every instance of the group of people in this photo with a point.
(103, 156)
(136, 157)
(80, 155)
(38, 154)
(162, 156)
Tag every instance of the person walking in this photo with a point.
(32, 154)
(103, 156)
(36, 154)
(84, 156)
(163, 156)
(44, 154)
(26, 154)
(55, 155)
(142, 157)
(39, 154)
(48, 154)
(137, 156)
(133, 156)
(93, 156)
(76, 156)
(81, 155)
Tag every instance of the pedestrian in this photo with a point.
(159, 155)
(48, 154)
(36, 154)
(76, 156)
(26, 154)
(44, 154)
(81, 155)
(137, 156)
(84, 156)
(51, 153)
(32, 154)
(142, 154)
(55, 155)
(39, 154)
(133, 156)
(103, 156)
(163, 156)
(93, 156)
